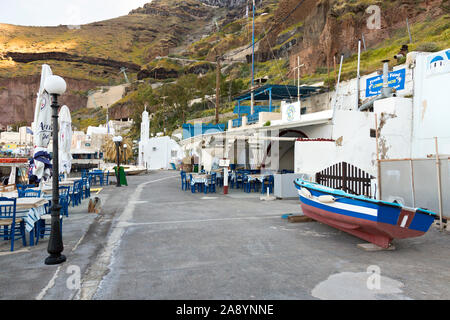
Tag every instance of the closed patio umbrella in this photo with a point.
(65, 140)
(42, 130)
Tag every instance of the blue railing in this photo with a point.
(237, 122)
(257, 109)
(254, 118)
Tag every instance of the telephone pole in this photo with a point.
(217, 87)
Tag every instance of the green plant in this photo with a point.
(428, 47)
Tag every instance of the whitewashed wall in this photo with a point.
(431, 105)
(353, 142)
(395, 127)
(157, 153)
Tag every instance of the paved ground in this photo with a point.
(154, 241)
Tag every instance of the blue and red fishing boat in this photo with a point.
(376, 221)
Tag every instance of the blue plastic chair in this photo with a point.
(13, 228)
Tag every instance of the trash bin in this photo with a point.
(122, 176)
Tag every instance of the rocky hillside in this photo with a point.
(92, 53)
(168, 39)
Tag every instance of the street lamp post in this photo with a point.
(55, 86)
(118, 140)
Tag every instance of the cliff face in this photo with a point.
(333, 27)
(18, 97)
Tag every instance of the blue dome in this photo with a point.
(448, 54)
(437, 58)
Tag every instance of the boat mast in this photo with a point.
(253, 62)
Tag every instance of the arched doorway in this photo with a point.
(286, 150)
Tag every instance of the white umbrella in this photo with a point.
(65, 140)
(42, 128)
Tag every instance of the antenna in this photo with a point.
(122, 70)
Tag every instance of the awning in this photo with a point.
(278, 92)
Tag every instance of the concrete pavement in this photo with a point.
(154, 241)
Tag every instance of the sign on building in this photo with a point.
(396, 80)
(290, 111)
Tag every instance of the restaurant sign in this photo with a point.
(396, 80)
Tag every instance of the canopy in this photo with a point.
(65, 140)
(279, 92)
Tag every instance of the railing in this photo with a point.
(347, 178)
(237, 122)
(257, 109)
(254, 118)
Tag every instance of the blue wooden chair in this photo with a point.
(105, 178)
(245, 182)
(268, 182)
(76, 193)
(86, 188)
(239, 180)
(24, 186)
(211, 184)
(252, 184)
(193, 186)
(184, 182)
(27, 193)
(13, 228)
(44, 229)
(219, 180)
(64, 199)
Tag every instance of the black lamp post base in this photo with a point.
(55, 259)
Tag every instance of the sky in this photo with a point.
(66, 12)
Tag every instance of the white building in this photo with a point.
(159, 152)
(393, 140)
(23, 137)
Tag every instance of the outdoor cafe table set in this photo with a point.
(33, 207)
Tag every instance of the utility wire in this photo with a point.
(279, 71)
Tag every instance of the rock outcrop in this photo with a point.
(18, 97)
(63, 56)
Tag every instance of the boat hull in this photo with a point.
(373, 222)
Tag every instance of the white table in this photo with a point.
(200, 178)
